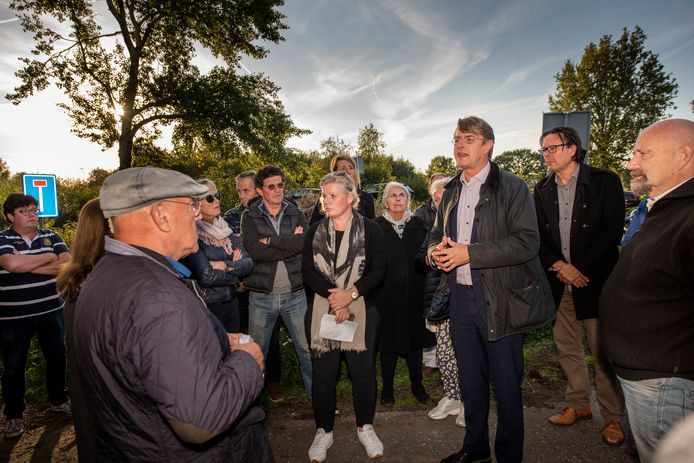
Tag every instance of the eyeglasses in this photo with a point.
(397, 196)
(551, 149)
(275, 186)
(210, 198)
(466, 140)
(193, 206)
(27, 212)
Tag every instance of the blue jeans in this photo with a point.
(15, 342)
(263, 310)
(655, 406)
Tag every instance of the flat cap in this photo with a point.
(130, 189)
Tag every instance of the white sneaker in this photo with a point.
(14, 428)
(372, 444)
(319, 448)
(445, 407)
(460, 420)
(65, 407)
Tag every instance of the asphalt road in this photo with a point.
(412, 437)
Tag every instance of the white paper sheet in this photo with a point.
(337, 331)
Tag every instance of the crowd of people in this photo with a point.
(172, 309)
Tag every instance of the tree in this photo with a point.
(523, 162)
(625, 88)
(441, 164)
(370, 143)
(136, 58)
(332, 146)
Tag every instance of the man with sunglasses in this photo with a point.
(29, 305)
(272, 231)
(580, 211)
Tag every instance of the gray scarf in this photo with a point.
(342, 268)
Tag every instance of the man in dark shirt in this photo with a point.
(647, 303)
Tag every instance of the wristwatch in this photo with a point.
(355, 295)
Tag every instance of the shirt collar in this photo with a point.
(480, 177)
(179, 267)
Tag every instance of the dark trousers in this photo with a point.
(228, 315)
(15, 341)
(362, 372)
(389, 361)
(479, 361)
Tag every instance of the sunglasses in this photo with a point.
(273, 187)
(210, 198)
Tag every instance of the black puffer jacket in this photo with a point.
(287, 246)
(432, 276)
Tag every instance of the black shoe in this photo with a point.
(464, 457)
(421, 396)
(387, 399)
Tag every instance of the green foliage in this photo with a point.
(625, 88)
(370, 143)
(523, 162)
(129, 71)
(441, 164)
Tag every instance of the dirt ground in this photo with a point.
(408, 435)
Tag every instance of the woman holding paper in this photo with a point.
(343, 265)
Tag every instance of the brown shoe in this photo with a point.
(570, 415)
(612, 433)
(274, 392)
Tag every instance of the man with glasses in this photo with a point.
(580, 211)
(485, 238)
(30, 305)
(272, 231)
(164, 381)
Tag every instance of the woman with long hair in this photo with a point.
(343, 265)
(220, 261)
(401, 299)
(87, 248)
(345, 163)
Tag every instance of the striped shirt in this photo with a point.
(28, 294)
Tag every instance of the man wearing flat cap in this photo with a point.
(164, 380)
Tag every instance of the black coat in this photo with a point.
(596, 230)
(432, 276)
(400, 302)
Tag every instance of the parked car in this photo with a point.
(631, 199)
(305, 192)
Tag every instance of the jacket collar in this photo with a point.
(550, 182)
(493, 181)
(120, 248)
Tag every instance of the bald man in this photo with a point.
(647, 304)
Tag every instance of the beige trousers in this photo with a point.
(568, 336)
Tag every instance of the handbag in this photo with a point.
(438, 310)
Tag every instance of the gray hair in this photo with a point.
(347, 184)
(440, 183)
(208, 183)
(474, 124)
(246, 174)
(390, 186)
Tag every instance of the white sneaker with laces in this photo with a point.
(14, 428)
(65, 407)
(372, 444)
(445, 408)
(319, 448)
(460, 420)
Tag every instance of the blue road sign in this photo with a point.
(43, 188)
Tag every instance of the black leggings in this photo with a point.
(362, 371)
(389, 361)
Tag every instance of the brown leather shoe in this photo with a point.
(570, 415)
(612, 433)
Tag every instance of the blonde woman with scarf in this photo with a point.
(220, 262)
(401, 300)
(343, 265)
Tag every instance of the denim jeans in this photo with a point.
(655, 406)
(263, 310)
(15, 341)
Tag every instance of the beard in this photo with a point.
(639, 183)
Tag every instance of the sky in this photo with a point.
(411, 68)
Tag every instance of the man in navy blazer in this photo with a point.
(580, 211)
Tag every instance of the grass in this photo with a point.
(541, 370)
